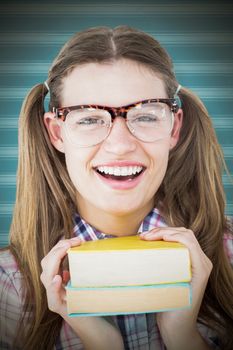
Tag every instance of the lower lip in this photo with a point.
(120, 184)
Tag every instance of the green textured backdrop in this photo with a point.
(197, 34)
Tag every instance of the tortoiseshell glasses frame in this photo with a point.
(147, 120)
(62, 112)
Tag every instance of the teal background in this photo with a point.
(197, 34)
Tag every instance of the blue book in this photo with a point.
(120, 300)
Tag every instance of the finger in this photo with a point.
(200, 262)
(61, 246)
(159, 232)
(51, 264)
(181, 235)
(52, 261)
(55, 293)
(71, 242)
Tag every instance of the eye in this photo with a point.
(87, 118)
(146, 118)
(90, 121)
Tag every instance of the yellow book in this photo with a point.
(128, 261)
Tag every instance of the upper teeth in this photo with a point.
(120, 171)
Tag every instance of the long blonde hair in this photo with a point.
(191, 194)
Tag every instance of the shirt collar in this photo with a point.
(87, 232)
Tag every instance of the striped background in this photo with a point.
(197, 34)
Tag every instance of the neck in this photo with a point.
(116, 224)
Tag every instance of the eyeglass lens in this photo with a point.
(89, 126)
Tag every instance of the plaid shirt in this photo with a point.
(139, 331)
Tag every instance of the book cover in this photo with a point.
(103, 301)
(125, 261)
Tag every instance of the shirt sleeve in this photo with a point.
(228, 240)
(10, 306)
(209, 336)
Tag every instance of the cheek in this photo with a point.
(159, 156)
(159, 171)
(160, 168)
(74, 169)
(78, 162)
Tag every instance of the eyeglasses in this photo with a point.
(147, 120)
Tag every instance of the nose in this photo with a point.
(120, 141)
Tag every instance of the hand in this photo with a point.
(52, 279)
(179, 328)
(87, 328)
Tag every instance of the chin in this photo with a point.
(122, 208)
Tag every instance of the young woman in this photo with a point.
(122, 149)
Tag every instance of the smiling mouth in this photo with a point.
(120, 173)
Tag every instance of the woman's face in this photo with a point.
(117, 84)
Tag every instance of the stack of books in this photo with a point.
(128, 275)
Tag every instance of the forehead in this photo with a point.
(112, 84)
